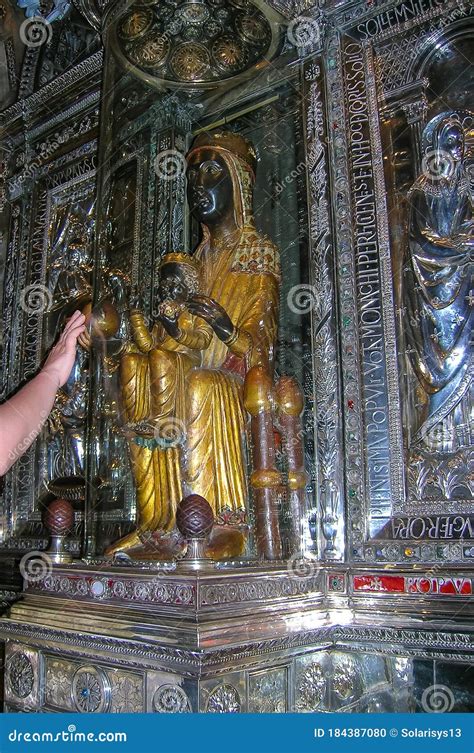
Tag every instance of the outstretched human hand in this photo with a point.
(60, 361)
(23, 415)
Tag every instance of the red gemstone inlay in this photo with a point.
(379, 583)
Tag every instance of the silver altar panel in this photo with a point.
(23, 681)
(380, 466)
(320, 651)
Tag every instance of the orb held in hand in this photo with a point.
(103, 320)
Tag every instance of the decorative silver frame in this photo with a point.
(351, 44)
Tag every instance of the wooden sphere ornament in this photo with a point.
(194, 517)
(59, 517)
(59, 520)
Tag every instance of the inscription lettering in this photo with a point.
(433, 527)
(368, 278)
(394, 16)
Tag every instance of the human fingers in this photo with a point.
(73, 334)
(76, 319)
(76, 315)
(84, 340)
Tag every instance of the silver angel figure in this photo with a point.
(438, 293)
(71, 237)
(71, 248)
(66, 425)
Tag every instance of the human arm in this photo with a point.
(23, 415)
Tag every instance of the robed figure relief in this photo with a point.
(438, 290)
(182, 380)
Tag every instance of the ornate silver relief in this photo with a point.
(233, 593)
(355, 467)
(438, 431)
(119, 589)
(223, 700)
(311, 688)
(268, 691)
(171, 699)
(90, 690)
(58, 679)
(397, 54)
(439, 315)
(328, 432)
(376, 463)
(127, 694)
(345, 678)
(193, 45)
(20, 675)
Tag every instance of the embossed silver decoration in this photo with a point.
(345, 678)
(58, 679)
(61, 176)
(438, 281)
(268, 691)
(194, 45)
(328, 431)
(20, 675)
(126, 692)
(223, 700)
(311, 688)
(90, 690)
(171, 699)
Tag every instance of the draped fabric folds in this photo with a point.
(195, 384)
